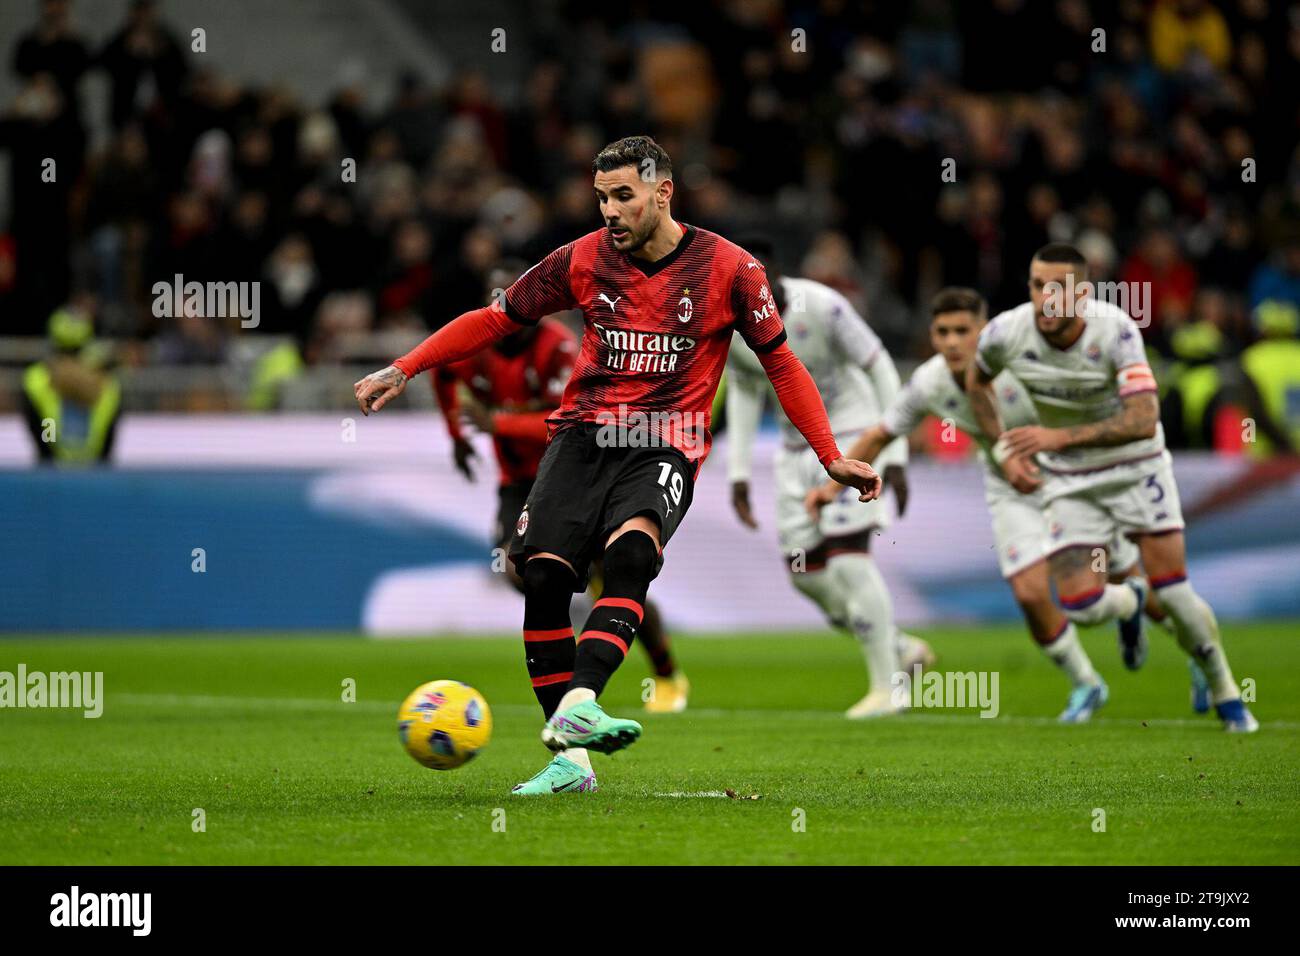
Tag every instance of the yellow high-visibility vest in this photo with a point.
(1197, 384)
(41, 392)
(1274, 366)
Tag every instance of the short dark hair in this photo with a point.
(1061, 252)
(633, 151)
(957, 298)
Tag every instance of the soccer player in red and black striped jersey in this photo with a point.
(512, 388)
(659, 300)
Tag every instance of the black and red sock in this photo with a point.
(630, 564)
(548, 634)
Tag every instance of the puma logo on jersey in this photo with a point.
(610, 302)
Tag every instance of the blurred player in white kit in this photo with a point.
(938, 387)
(828, 556)
(1099, 457)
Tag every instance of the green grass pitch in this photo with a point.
(253, 731)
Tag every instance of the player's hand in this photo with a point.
(1031, 439)
(464, 454)
(740, 504)
(856, 474)
(820, 497)
(379, 388)
(473, 413)
(1023, 474)
(895, 477)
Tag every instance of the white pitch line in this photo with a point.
(249, 703)
(314, 704)
(919, 716)
(683, 793)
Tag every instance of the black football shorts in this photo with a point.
(510, 502)
(585, 490)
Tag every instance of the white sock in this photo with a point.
(1116, 601)
(1197, 632)
(857, 580)
(575, 696)
(1166, 622)
(818, 586)
(1067, 653)
(579, 756)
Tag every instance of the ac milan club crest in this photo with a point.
(522, 524)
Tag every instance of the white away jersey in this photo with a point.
(1084, 383)
(932, 391)
(834, 344)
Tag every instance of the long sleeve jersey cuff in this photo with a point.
(460, 338)
(801, 401)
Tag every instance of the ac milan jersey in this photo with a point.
(528, 381)
(656, 334)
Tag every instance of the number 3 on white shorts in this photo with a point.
(675, 487)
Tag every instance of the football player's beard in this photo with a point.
(1058, 325)
(633, 239)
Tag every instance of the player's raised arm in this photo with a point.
(530, 423)
(444, 391)
(866, 447)
(541, 290)
(981, 372)
(871, 442)
(458, 339)
(759, 324)
(891, 457)
(1018, 467)
(984, 406)
(901, 417)
(1137, 418)
(802, 404)
(745, 394)
(857, 339)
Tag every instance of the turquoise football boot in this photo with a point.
(1085, 700)
(1200, 688)
(586, 725)
(561, 775)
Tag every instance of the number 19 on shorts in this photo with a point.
(674, 486)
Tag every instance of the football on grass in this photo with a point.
(444, 723)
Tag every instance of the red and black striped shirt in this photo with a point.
(656, 334)
(655, 338)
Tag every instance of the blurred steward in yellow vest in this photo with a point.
(1273, 366)
(72, 401)
(1207, 396)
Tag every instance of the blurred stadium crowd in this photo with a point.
(1165, 145)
